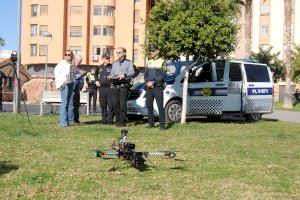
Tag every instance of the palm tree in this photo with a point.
(2, 42)
(288, 10)
(248, 26)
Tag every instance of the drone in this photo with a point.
(125, 151)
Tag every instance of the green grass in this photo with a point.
(279, 106)
(221, 160)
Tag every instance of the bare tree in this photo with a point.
(248, 26)
(288, 10)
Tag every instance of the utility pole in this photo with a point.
(17, 91)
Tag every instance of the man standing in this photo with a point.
(121, 74)
(64, 80)
(104, 90)
(154, 76)
(92, 88)
(2, 84)
(77, 88)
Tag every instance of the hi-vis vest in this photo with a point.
(158, 63)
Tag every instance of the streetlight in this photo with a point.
(46, 34)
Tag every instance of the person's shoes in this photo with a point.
(64, 125)
(120, 125)
(71, 124)
(150, 126)
(110, 123)
(103, 122)
(77, 123)
(162, 128)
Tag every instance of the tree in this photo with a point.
(270, 59)
(204, 29)
(248, 26)
(288, 10)
(296, 64)
(2, 42)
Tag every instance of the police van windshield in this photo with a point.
(257, 73)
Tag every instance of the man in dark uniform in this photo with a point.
(2, 84)
(92, 88)
(154, 76)
(104, 90)
(121, 74)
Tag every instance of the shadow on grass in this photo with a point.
(91, 122)
(225, 119)
(6, 167)
(269, 120)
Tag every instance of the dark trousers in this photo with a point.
(106, 104)
(0, 98)
(76, 104)
(157, 94)
(119, 98)
(93, 94)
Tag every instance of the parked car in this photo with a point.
(223, 87)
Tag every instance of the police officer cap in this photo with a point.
(153, 47)
(105, 55)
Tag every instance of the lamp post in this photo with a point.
(46, 34)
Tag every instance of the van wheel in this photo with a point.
(253, 117)
(135, 117)
(173, 111)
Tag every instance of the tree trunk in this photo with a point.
(288, 9)
(185, 91)
(248, 26)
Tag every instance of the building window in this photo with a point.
(34, 10)
(97, 10)
(76, 10)
(136, 16)
(96, 50)
(97, 30)
(33, 49)
(43, 29)
(264, 10)
(108, 50)
(77, 50)
(137, 1)
(42, 50)
(108, 30)
(264, 29)
(136, 36)
(108, 10)
(135, 55)
(33, 30)
(75, 31)
(43, 10)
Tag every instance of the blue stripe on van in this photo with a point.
(260, 91)
(214, 92)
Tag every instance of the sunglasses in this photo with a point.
(68, 54)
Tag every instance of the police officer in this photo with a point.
(154, 76)
(2, 84)
(92, 88)
(104, 90)
(121, 74)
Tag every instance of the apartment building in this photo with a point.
(267, 20)
(87, 27)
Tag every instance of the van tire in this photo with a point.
(173, 111)
(253, 117)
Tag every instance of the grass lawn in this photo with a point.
(279, 106)
(215, 160)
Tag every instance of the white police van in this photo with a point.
(237, 88)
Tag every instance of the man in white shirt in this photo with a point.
(64, 80)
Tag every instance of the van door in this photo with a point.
(258, 89)
(233, 102)
(207, 89)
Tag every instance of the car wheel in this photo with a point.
(253, 117)
(173, 111)
(135, 117)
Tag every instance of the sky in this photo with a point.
(9, 23)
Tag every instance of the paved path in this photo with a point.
(286, 116)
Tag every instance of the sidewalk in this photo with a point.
(285, 116)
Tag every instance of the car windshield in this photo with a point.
(173, 70)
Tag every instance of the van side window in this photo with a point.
(257, 73)
(220, 65)
(235, 72)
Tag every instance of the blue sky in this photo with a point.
(9, 23)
